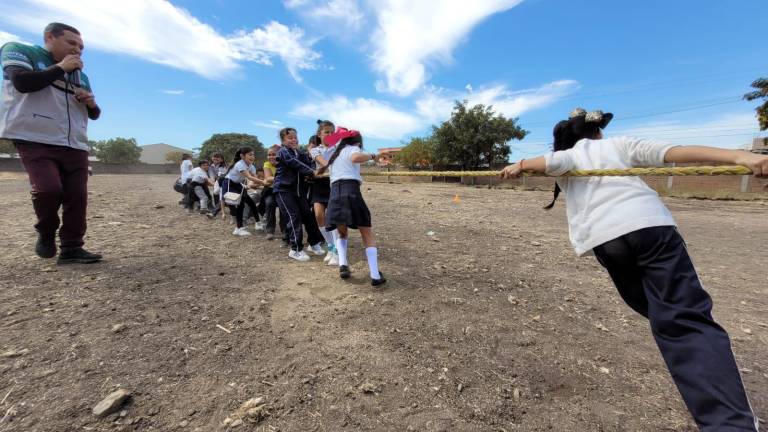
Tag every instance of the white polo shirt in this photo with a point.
(186, 168)
(601, 209)
(343, 168)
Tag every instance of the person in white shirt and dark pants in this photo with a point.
(634, 236)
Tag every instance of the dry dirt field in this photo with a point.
(489, 324)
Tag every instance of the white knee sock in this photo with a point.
(373, 262)
(327, 236)
(335, 237)
(341, 249)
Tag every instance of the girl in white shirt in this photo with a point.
(633, 235)
(321, 188)
(239, 173)
(346, 207)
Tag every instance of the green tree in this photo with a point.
(228, 143)
(117, 151)
(419, 153)
(475, 136)
(7, 147)
(174, 156)
(761, 92)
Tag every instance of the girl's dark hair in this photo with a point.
(239, 156)
(220, 156)
(324, 124)
(314, 140)
(353, 140)
(285, 131)
(185, 156)
(202, 161)
(566, 134)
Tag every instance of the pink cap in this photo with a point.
(341, 133)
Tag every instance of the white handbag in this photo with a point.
(233, 198)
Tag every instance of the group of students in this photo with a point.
(315, 192)
(620, 220)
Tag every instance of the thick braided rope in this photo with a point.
(663, 171)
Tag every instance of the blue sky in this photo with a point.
(177, 72)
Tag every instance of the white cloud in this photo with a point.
(411, 34)
(173, 92)
(373, 118)
(260, 45)
(334, 15)
(6, 37)
(272, 124)
(731, 130)
(437, 104)
(159, 32)
(380, 119)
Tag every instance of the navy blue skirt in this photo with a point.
(320, 191)
(346, 206)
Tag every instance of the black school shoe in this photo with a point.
(45, 247)
(344, 272)
(77, 256)
(380, 281)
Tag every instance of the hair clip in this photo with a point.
(594, 117)
(577, 112)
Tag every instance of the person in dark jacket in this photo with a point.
(290, 188)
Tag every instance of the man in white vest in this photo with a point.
(46, 103)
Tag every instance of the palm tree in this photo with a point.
(761, 84)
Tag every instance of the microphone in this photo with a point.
(74, 77)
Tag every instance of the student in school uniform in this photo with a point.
(198, 185)
(346, 207)
(239, 173)
(216, 172)
(185, 168)
(293, 166)
(634, 236)
(269, 203)
(321, 187)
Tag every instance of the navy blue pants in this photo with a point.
(297, 213)
(655, 276)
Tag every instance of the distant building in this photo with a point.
(760, 145)
(386, 155)
(155, 153)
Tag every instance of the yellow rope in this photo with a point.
(663, 171)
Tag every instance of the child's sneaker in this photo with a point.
(298, 255)
(316, 249)
(380, 281)
(344, 272)
(259, 226)
(241, 232)
(333, 260)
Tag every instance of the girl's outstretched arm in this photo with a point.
(687, 154)
(538, 164)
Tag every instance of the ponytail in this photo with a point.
(353, 140)
(567, 133)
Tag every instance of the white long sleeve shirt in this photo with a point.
(601, 209)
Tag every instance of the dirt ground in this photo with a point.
(491, 323)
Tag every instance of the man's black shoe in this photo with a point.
(45, 248)
(77, 256)
(380, 281)
(344, 272)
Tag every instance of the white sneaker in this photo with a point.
(241, 232)
(327, 256)
(316, 249)
(259, 226)
(334, 260)
(298, 255)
